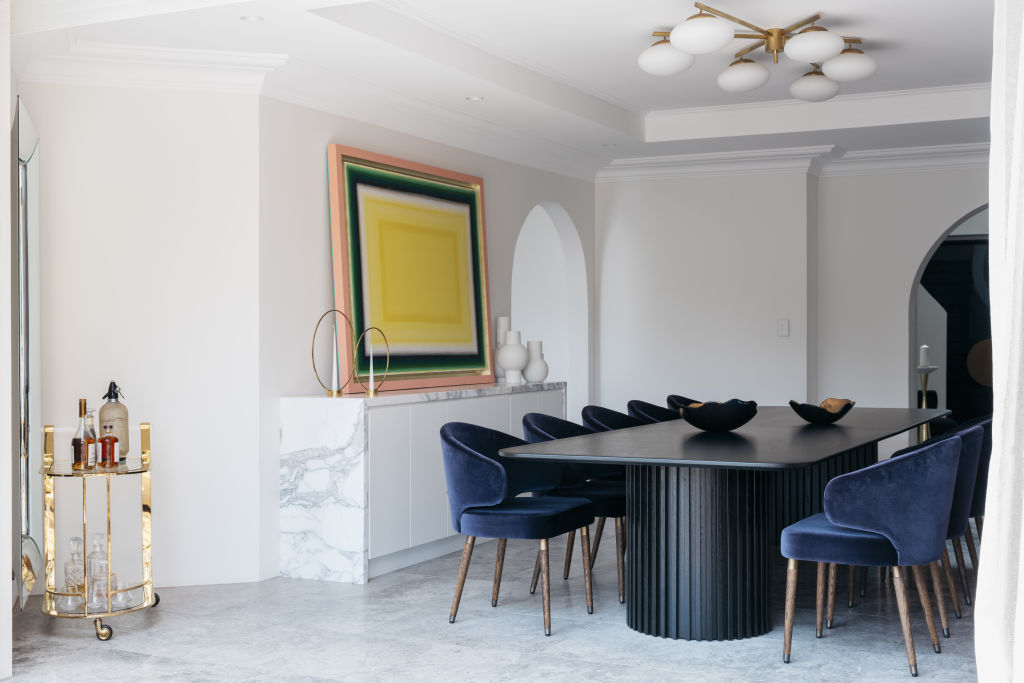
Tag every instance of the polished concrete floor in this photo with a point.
(396, 629)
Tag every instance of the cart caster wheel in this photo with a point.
(103, 632)
(156, 599)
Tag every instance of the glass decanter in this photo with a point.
(98, 573)
(74, 569)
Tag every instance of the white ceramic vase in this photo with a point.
(536, 369)
(502, 324)
(513, 357)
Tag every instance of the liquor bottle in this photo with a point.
(108, 448)
(115, 414)
(74, 569)
(90, 438)
(78, 444)
(99, 570)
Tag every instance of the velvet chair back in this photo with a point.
(539, 427)
(675, 401)
(905, 499)
(648, 413)
(981, 481)
(602, 419)
(477, 476)
(971, 439)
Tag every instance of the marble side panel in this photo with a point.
(323, 490)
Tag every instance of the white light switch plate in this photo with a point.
(782, 327)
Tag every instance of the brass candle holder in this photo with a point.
(372, 389)
(924, 431)
(333, 393)
(353, 376)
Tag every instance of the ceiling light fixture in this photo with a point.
(710, 30)
(474, 98)
(251, 18)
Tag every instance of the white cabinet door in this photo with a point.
(429, 507)
(553, 403)
(390, 482)
(485, 411)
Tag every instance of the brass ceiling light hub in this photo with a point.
(802, 41)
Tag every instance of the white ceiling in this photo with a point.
(559, 78)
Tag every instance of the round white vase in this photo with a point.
(502, 324)
(536, 369)
(513, 357)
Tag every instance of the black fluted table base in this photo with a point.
(698, 552)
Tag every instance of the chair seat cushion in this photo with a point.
(608, 497)
(816, 539)
(533, 517)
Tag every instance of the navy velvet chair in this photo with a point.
(675, 401)
(894, 513)
(980, 484)
(971, 439)
(601, 419)
(482, 495)
(608, 497)
(648, 413)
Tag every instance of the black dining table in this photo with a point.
(705, 509)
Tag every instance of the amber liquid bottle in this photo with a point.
(108, 448)
(90, 439)
(79, 447)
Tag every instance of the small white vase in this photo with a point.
(536, 367)
(502, 324)
(513, 357)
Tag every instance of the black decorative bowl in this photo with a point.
(831, 410)
(719, 417)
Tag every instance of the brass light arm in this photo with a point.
(735, 20)
(803, 22)
(660, 34)
(752, 36)
(851, 39)
(749, 48)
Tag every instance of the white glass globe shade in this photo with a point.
(814, 87)
(849, 65)
(743, 75)
(661, 59)
(814, 44)
(701, 33)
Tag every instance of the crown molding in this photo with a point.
(752, 162)
(909, 159)
(101, 64)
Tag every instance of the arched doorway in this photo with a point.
(550, 298)
(950, 313)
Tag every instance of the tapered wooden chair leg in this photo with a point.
(833, 573)
(851, 579)
(569, 539)
(787, 639)
(961, 566)
(585, 553)
(939, 598)
(597, 539)
(467, 553)
(949, 584)
(545, 583)
(499, 562)
(620, 556)
(926, 605)
(863, 581)
(977, 523)
(819, 602)
(972, 549)
(536, 574)
(901, 604)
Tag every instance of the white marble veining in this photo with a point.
(323, 490)
(385, 398)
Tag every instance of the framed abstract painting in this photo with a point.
(410, 258)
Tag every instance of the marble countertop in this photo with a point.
(439, 394)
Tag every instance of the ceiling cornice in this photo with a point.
(909, 159)
(101, 64)
(846, 111)
(753, 162)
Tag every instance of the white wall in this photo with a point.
(295, 249)
(693, 275)
(874, 232)
(150, 241)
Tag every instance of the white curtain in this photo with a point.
(999, 614)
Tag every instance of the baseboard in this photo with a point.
(421, 553)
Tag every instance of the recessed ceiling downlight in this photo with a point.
(474, 98)
(251, 18)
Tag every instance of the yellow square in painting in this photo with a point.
(417, 271)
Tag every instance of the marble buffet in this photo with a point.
(362, 480)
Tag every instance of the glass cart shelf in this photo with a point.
(75, 605)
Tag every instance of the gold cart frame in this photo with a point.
(150, 598)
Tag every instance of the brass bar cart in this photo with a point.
(66, 604)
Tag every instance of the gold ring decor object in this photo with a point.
(352, 329)
(372, 389)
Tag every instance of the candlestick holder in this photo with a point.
(372, 389)
(924, 431)
(332, 393)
